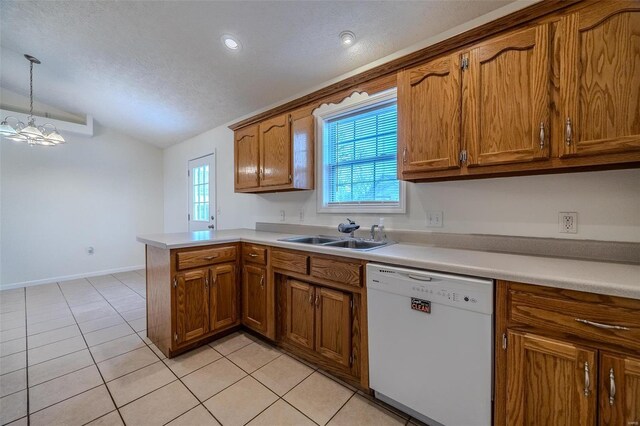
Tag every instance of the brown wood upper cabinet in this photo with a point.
(600, 79)
(276, 154)
(429, 118)
(506, 107)
(247, 158)
(275, 151)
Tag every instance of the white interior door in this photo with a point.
(202, 207)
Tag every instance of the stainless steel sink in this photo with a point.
(316, 239)
(358, 244)
(349, 243)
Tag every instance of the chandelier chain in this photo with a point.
(31, 89)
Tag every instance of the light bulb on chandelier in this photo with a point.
(31, 133)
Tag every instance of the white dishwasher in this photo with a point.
(430, 344)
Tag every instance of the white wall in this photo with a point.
(233, 210)
(55, 202)
(608, 203)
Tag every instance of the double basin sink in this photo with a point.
(349, 243)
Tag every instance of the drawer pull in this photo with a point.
(210, 257)
(253, 255)
(612, 387)
(601, 325)
(587, 380)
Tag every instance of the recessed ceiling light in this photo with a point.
(348, 38)
(230, 42)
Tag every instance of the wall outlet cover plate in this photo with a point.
(568, 222)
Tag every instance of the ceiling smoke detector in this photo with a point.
(348, 38)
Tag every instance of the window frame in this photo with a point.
(350, 106)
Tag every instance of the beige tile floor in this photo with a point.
(76, 353)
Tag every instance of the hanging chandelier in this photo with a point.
(16, 130)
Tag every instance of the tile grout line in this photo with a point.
(26, 354)
(164, 363)
(91, 355)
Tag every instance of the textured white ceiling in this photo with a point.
(156, 70)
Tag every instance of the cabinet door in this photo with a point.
(254, 297)
(275, 151)
(619, 390)
(223, 295)
(247, 158)
(299, 313)
(549, 382)
(506, 101)
(333, 325)
(302, 137)
(600, 79)
(429, 116)
(191, 305)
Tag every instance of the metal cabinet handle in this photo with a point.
(253, 255)
(601, 325)
(262, 281)
(587, 379)
(404, 155)
(541, 135)
(210, 257)
(206, 283)
(612, 387)
(568, 131)
(311, 299)
(317, 300)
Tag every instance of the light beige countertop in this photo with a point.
(614, 279)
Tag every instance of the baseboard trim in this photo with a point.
(69, 277)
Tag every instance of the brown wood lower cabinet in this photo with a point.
(619, 390)
(206, 300)
(565, 357)
(319, 319)
(254, 297)
(191, 308)
(549, 382)
(223, 298)
(193, 295)
(299, 316)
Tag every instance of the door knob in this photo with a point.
(211, 226)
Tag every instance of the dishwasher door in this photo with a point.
(437, 364)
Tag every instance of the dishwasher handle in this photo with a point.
(417, 277)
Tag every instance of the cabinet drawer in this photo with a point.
(602, 319)
(294, 262)
(254, 254)
(208, 256)
(337, 271)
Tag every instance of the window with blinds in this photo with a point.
(360, 158)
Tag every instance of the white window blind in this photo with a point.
(360, 157)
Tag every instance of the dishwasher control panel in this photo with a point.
(474, 294)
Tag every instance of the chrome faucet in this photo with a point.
(373, 231)
(348, 228)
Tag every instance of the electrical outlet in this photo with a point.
(434, 219)
(282, 215)
(90, 250)
(301, 215)
(568, 222)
